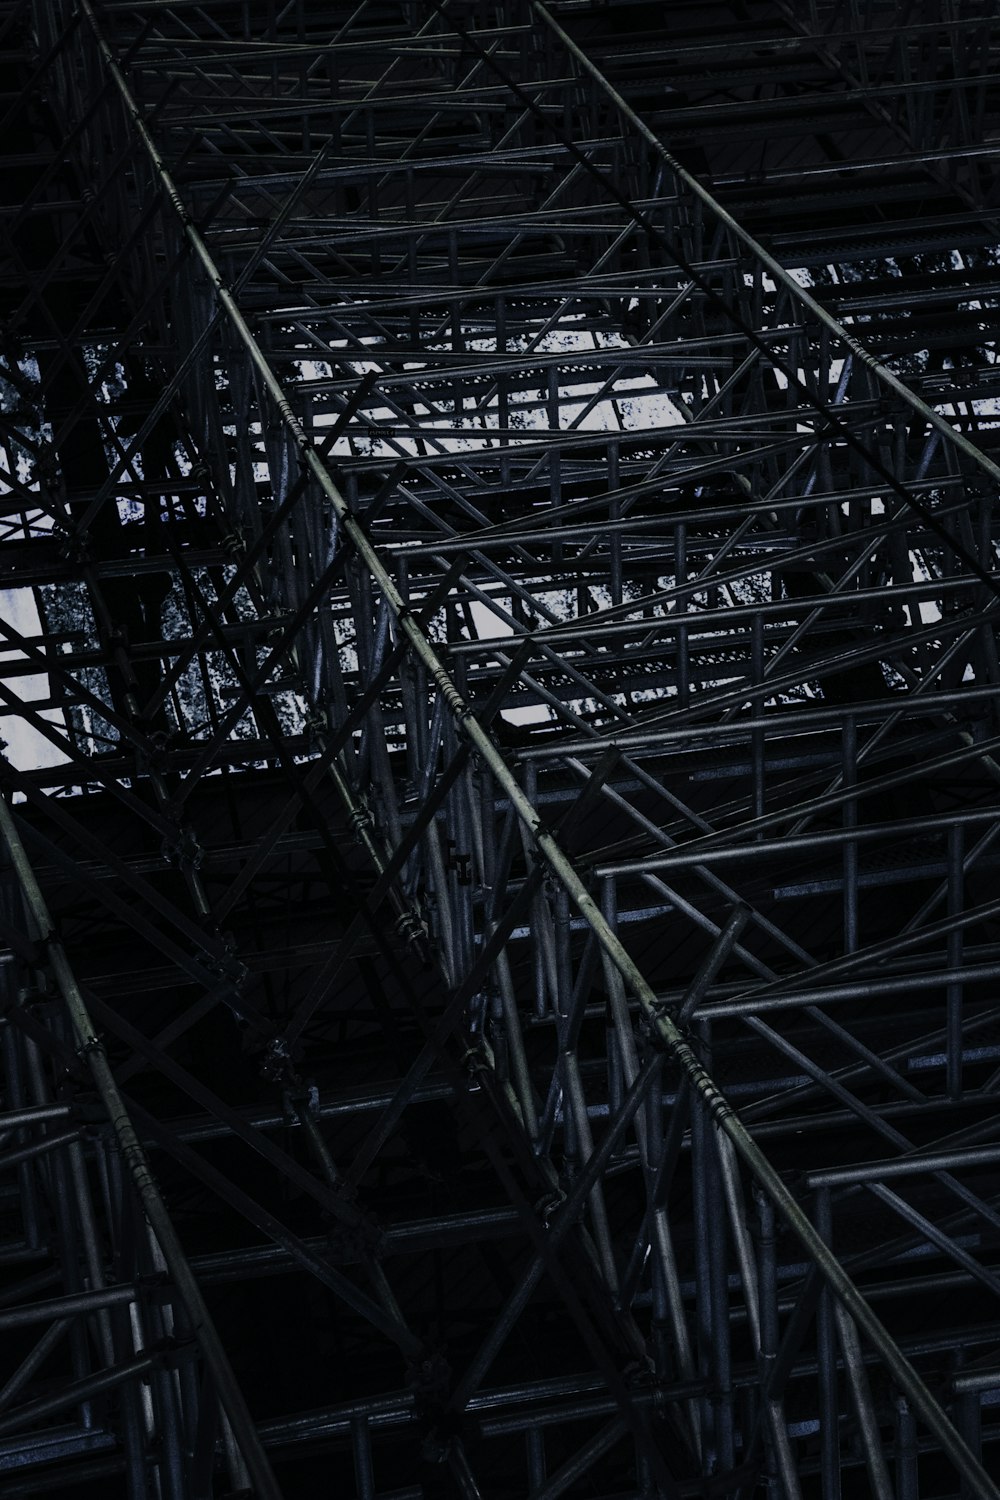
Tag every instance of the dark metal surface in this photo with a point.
(500, 802)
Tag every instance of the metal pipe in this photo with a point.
(559, 1482)
(15, 1119)
(871, 1437)
(975, 1380)
(908, 1166)
(41, 1147)
(70, 1305)
(33, 1361)
(75, 1391)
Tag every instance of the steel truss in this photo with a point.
(498, 938)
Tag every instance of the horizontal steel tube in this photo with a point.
(976, 1380)
(910, 1166)
(14, 1119)
(75, 1391)
(62, 1307)
(867, 833)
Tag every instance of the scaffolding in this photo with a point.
(500, 698)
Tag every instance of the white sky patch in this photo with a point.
(27, 748)
(925, 611)
(489, 626)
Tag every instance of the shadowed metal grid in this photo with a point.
(500, 802)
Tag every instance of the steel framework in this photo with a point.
(500, 804)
